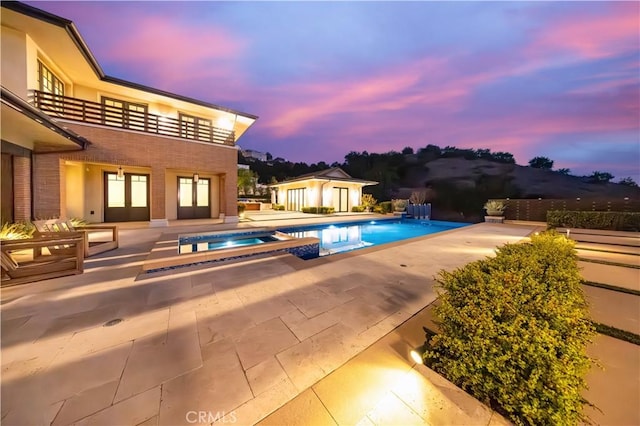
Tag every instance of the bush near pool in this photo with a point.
(514, 331)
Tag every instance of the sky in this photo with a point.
(553, 79)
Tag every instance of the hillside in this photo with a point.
(516, 181)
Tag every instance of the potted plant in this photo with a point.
(241, 208)
(495, 211)
(399, 205)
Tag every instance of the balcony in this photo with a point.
(84, 111)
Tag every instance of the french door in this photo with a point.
(194, 198)
(126, 197)
(341, 199)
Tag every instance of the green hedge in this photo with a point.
(277, 207)
(618, 221)
(357, 209)
(319, 210)
(386, 207)
(514, 331)
(241, 207)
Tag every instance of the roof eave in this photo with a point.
(14, 101)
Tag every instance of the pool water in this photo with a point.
(352, 236)
(216, 244)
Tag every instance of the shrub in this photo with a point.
(368, 201)
(17, 231)
(241, 208)
(277, 207)
(514, 331)
(357, 209)
(386, 207)
(399, 205)
(618, 221)
(76, 221)
(418, 197)
(319, 210)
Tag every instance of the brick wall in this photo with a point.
(124, 148)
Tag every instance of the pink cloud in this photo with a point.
(170, 53)
(592, 36)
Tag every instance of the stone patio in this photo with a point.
(235, 339)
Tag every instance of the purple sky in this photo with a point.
(556, 79)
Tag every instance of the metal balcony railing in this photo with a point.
(95, 113)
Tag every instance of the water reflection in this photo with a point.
(336, 240)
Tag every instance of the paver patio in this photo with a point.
(241, 338)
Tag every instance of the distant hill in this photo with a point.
(516, 181)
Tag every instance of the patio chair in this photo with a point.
(27, 260)
(90, 247)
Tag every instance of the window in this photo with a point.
(197, 128)
(115, 190)
(129, 115)
(48, 81)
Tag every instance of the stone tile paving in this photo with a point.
(236, 339)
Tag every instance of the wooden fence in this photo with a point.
(536, 209)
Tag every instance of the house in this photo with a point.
(79, 143)
(330, 188)
(251, 154)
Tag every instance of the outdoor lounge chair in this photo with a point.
(90, 247)
(27, 260)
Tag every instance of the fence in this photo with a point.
(536, 210)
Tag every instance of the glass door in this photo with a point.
(341, 199)
(194, 198)
(126, 197)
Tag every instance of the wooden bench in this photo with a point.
(39, 258)
(91, 248)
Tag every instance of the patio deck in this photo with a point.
(236, 339)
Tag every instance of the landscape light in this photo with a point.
(416, 357)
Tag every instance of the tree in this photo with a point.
(269, 156)
(628, 182)
(247, 180)
(407, 150)
(541, 163)
(429, 153)
(564, 171)
(600, 177)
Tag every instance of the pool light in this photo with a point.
(373, 222)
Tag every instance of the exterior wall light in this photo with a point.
(196, 177)
(120, 172)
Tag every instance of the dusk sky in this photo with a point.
(554, 79)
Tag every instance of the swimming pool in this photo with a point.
(305, 242)
(339, 238)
